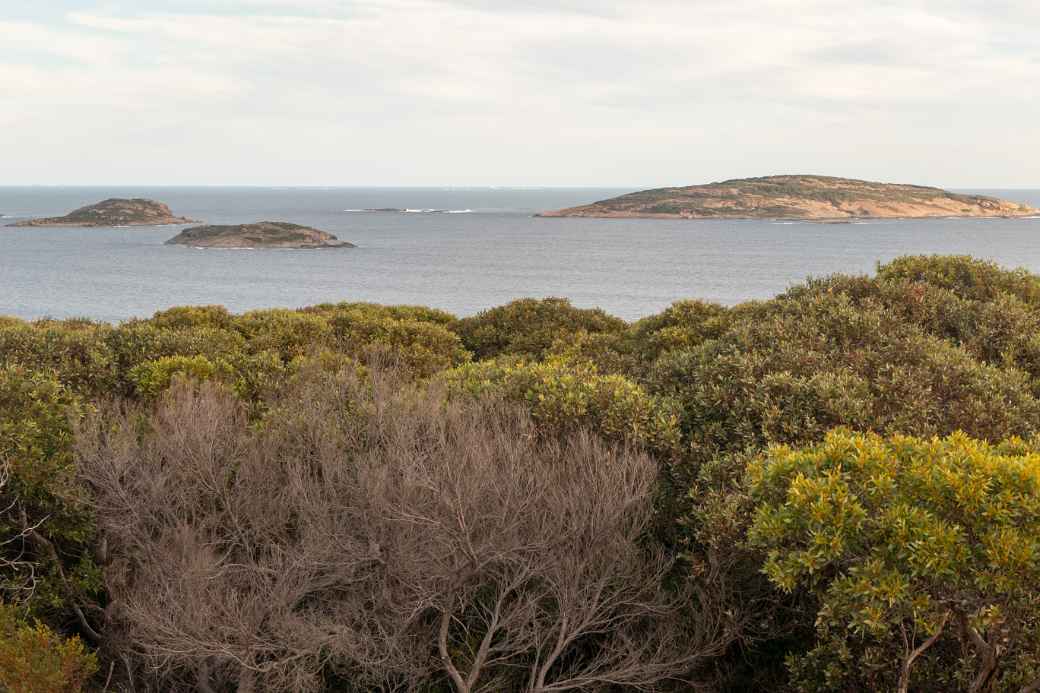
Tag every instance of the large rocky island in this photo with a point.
(263, 234)
(114, 212)
(797, 197)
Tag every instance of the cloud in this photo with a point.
(536, 92)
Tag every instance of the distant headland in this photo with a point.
(264, 234)
(114, 212)
(797, 197)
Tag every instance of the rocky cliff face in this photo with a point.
(797, 197)
(264, 234)
(114, 212)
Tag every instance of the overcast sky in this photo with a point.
(523, 92)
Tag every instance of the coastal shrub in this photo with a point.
(562, 395)
(683, 325)
(916, 550)
(802, 367)
(80, 358)
(497, 559)
(376, 310)
(47, 554)
(137, 342)
(420, 347)
(187, 317)
(35, 659)
(528, 327)
(152, 377)
(967, 277)
(611, 352)
(288, 333)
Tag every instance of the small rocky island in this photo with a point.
(264, 234)
(797, 197)
(114, 212)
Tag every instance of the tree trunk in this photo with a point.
(908, 661)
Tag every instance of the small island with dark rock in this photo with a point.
(263, 234)
(114, 212)
(797, 197)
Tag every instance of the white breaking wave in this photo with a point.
(459, 211)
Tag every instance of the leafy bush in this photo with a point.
(967, 277)
(564, 395)
(287, 333)
(187, 317)
(683, 325)
(34, 659)
(528, 327)
(80, 358)
(152, 377)
(42, 508)
(907, 543)
(420, 347)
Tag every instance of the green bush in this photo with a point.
(422, 348)
(528, 327)
(41, 502)
(907, 544)
(80, 358)
(967, 277)
(683, 325)
(187, 317)
(564, 395)
(288, 333)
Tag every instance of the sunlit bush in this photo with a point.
(908, 544)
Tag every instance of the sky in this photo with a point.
(523, 93)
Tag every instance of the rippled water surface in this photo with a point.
(491, 250)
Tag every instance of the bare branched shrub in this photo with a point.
(378, 534)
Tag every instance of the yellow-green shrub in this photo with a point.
(288, 333)
(152, 377)
(901, 539)
(422, 348)
(186, 317)
(35, 659)
(78, 357)
(562, 394)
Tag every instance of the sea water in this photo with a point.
(459, 249)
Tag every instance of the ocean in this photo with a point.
(459, 249)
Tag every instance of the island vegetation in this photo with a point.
(113, 212)
(837, 489)
(264, 234)
(797, 197)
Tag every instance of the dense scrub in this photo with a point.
(834, 489)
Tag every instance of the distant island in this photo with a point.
(264, 234)
(114, 212)
(796, 197)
